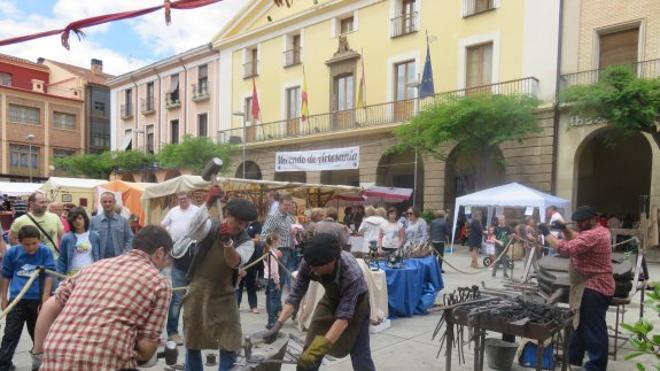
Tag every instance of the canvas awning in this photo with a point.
(18, 189)
(131, 194)
(128, 140)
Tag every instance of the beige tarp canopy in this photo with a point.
(157, 199)
(78, 191)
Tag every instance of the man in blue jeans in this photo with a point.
(177, 222)
(280, 223)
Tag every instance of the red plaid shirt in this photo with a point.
(591, 255)
(108, 307)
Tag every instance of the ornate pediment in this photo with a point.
(343, 53)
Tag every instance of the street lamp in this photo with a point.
(242, 115)
(30, 138)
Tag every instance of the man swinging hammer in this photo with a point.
(340, 324)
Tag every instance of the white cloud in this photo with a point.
(189, 28)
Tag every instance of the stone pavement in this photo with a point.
(407, 344)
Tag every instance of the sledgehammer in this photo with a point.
(210, 173)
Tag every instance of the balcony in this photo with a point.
(474, 7)
(405, 24)
(172, 100)
(126, 111)
(250, 69)
(200, 91)
(147, 106)
(383, 114)
(292, 57)
(645, 70)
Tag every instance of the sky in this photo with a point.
(122, 46)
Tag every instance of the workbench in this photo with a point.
(481, 323)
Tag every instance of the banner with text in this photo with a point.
(325, 159)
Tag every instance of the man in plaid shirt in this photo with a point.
(591, 258)
(280, 223)
(111, 315)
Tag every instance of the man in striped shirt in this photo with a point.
(280, 223)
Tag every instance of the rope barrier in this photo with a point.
(478, 270)
(20, 295)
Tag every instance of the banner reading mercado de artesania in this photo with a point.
(325, 159)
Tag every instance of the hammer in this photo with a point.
(209, 174)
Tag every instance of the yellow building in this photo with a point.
(499, 46)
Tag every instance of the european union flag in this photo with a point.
(426, 89)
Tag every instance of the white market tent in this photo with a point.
(18, 189)
(75, 190)
(512, 195)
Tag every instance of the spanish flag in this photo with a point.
(256, 110)
(304, 106)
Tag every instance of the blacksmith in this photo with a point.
(592, 284)
(210, 314)
(340, 324)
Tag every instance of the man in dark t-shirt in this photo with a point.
(475, 238)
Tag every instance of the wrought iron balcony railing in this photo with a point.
(645, 69)
(292, 57)
(405, 24)
(370, 116)
(473, 7)
(126, 111)
(147, 105)
(250, 69)
(172, 99)
(200, 90)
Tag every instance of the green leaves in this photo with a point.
(194, 153)
(641, 337)
(620, 99)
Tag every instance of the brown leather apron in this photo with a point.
(210, 314)
(578, 284)
(324, 317)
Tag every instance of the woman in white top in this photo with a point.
(370, 228)
(80, 247)
(417, 229)
(391, 232)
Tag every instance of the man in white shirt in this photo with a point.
(274, 201)
(553, 215)
(177, 222)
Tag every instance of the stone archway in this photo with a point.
(252, 171)
(464, 172)
(127, 178)
(341, 177)
(398, 170)
(172, 173)
(149, 177)
(613, 172)
(291, 176)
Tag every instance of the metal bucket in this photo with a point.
(500, 354)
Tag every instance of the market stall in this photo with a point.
(128, 195)
(513, 195)
(11, 189)
(158, 198)
(77, 191)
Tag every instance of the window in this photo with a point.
(293, 55)
(346, 25)
(203, 125)
(618, 48)
(128, 97)
(472, 7)
(149, 102)
(63, 120)
(344, 92)
(248, 110)
(293, 102)
(150, 139)
(60, 153)
(127, 107)
(5, 79)
(24, 114)
(100, 107)
(128, 140)
(479, 62)
(172, 96)
(405, 74)
(19, 155)
(174, 131)
(406, 21)
(251, 65)
(202, 79)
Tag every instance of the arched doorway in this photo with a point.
(341, 177)
(466, 172)
(252, 171)
(149, 177)
(172, 173)
(613, 172)
(291, 176)
(127, 178)
(398, 170)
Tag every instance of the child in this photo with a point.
(20, 262)
(272, 277)
(489, 244)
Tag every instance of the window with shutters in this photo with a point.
(479, 64)
(174, 131)
(5, 79)
(23, 115)
(63, 120)
(346, 25)
(617, 48)
(150, 139)
(203, 125)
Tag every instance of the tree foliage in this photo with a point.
(620, 99)
(194, 153)
(643, 339)
(99, 166)
(478, 124)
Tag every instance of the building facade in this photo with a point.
(476, 46)
(37, 123)
(87, 84)
(596, 165)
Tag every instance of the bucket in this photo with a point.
(500, 354)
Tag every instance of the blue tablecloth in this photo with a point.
(412, 288)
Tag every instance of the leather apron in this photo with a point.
(324, 317)
(578, 284)
(211, 319)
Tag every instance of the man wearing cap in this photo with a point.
(210, 314)
(340, 324)
(592, 284)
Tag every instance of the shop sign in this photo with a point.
(326, 159)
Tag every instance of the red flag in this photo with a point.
(256, 112)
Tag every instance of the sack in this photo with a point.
(528, 357)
